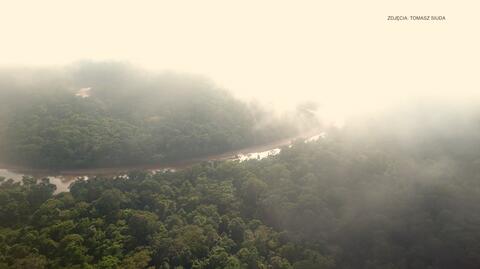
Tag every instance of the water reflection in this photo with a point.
(257, 155)
(63, 181)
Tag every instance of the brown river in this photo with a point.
(63, 179)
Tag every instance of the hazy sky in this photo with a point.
(344, 54)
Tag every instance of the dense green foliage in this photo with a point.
(402, 192)
(191, 219)
(370, 200)
(130, 117)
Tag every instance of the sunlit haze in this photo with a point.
(220, 134)
(345, 55)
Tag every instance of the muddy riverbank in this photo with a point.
(63, 178)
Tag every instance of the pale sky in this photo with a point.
(342, 54)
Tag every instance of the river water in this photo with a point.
(63, 179)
